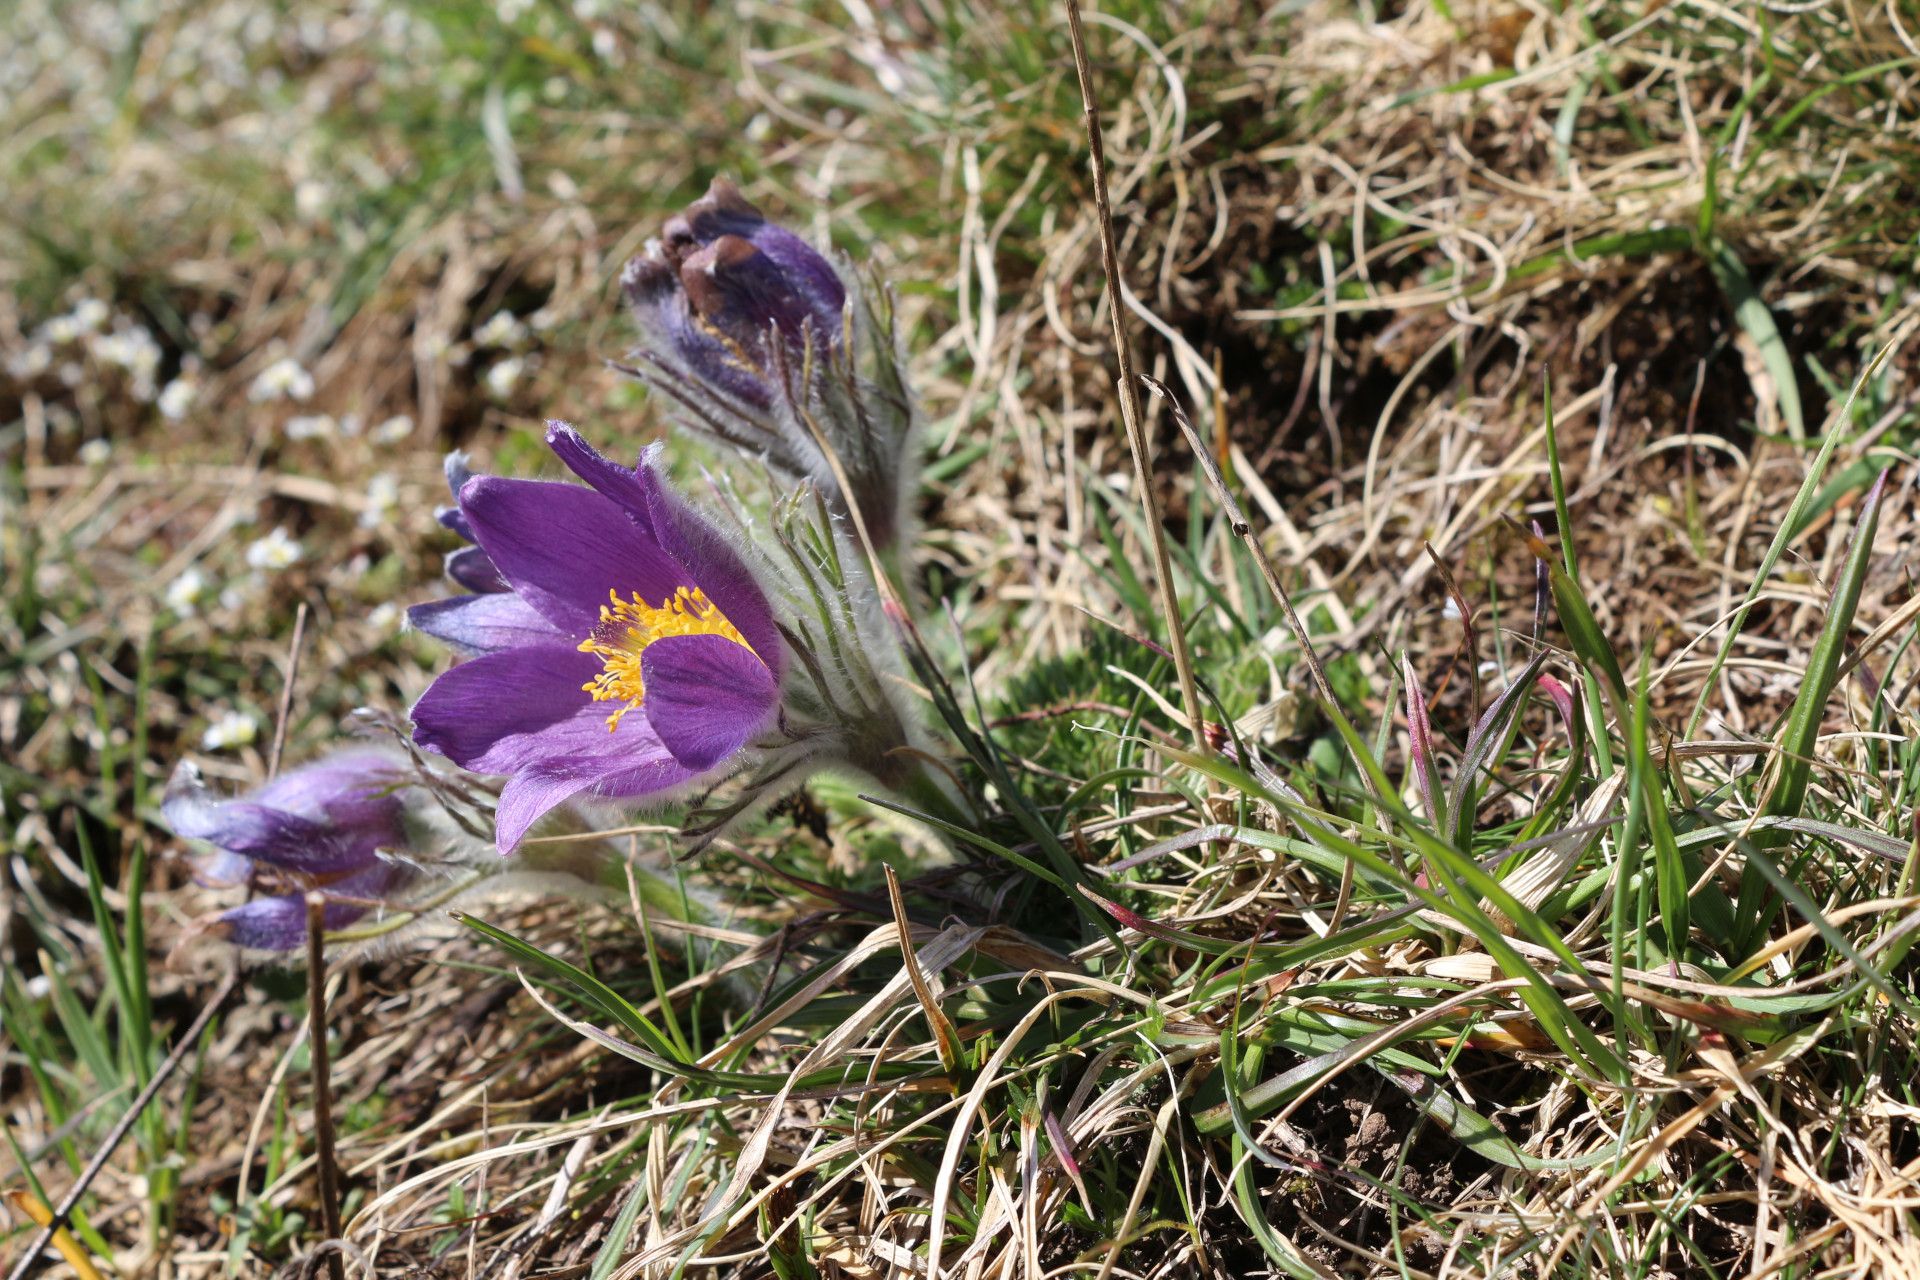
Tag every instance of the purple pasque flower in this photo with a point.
(734, 296)
(634, 654)
(318, 827)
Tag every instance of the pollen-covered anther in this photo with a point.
(627, 627)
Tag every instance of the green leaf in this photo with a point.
(1792, 524)
(1755, 908)
(1751, 314)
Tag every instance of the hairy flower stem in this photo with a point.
(923, 786)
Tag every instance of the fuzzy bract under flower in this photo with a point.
(318, 827)
(632, 652)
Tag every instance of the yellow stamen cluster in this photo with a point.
(627, 627)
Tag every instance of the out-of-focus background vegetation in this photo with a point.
(263, 264)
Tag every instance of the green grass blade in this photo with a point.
(1752, 315)
(615, 1245)
(1792, 524)
(1754, 909)
(1671, 879)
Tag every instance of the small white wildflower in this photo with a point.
(283, 379)
(384, 617)
(310, 426)
(185, 592)
(606, 46)
(1450, 610)
(350, 424)
(503, 375)
(511, 11)
(543, 319)
(94, 453)
(90, 314)
(234, 729)
(274, 552)
(132, 349)
(394, 429)
(177, 397)
(310, 199)
(383, 495)
(61, 330)
(502, 329)
(30, 361)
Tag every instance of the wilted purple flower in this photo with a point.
(318, 827)
(724, 288)
(634, 653)
(760, 342)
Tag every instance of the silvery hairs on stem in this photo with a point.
(847, 704)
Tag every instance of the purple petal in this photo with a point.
(455, 467)
(710, 563)
(502, 712)
(622, 484)
(809, 277)
(221, 869)
(280, 923)
(357, 786)
(706, 696)
(473, 569)
(335, 835)
(266, 834)
(273, 924)
(564, 548)
(662, 311)
(484, 623)
(804, 273)
(743, 292)
(723, 211)
(452, 519)
(535, 791)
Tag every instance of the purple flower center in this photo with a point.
(627, 627)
